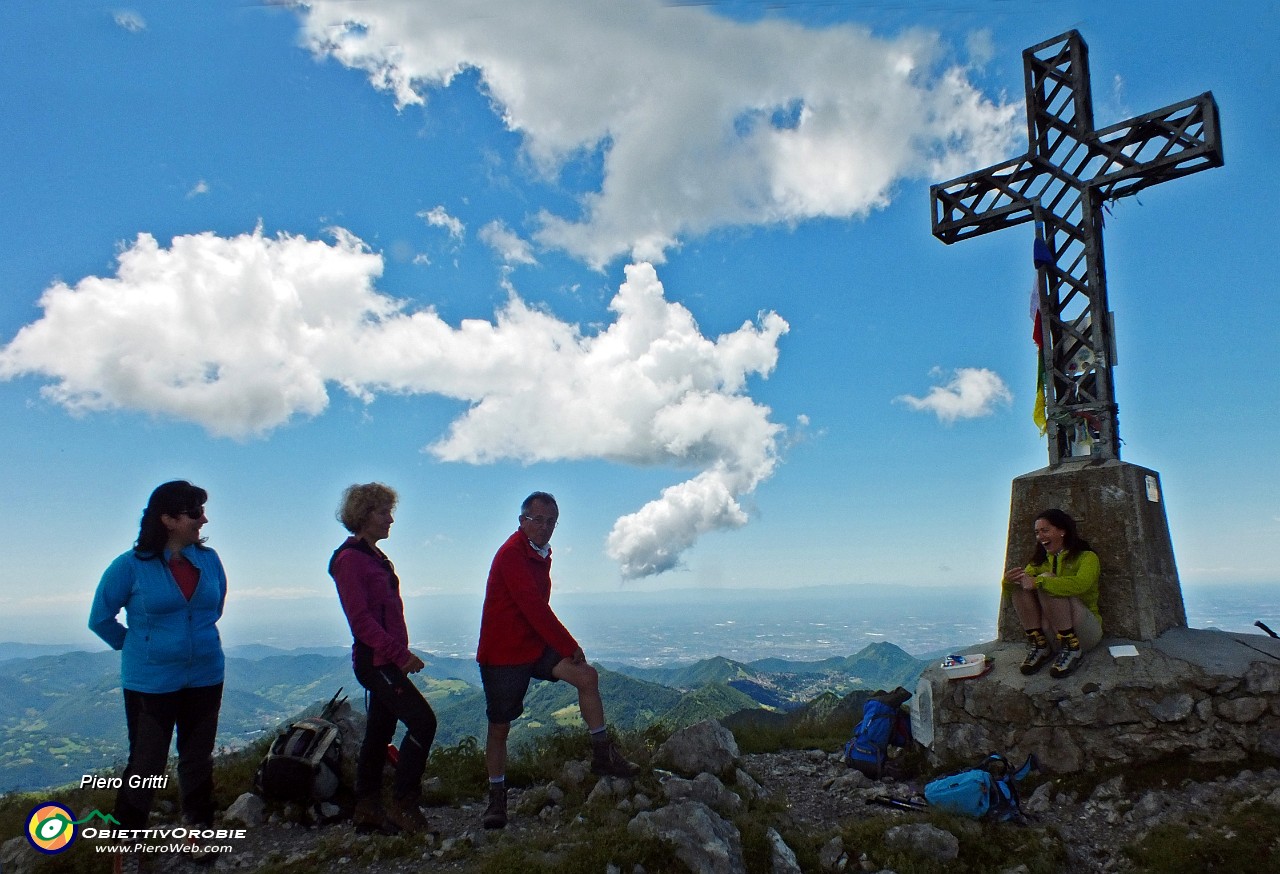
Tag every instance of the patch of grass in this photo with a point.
(825, 734)
(1246, 839)
(1167, 773)
(541, 758)
(328, 850)
(461, 771)
(232, 773)
(590, 853)
(984, 847)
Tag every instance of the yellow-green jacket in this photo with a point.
(1074, 575)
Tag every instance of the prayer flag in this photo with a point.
(1042, 256)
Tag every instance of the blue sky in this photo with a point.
(670, 261)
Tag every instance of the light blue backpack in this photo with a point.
(988, 791)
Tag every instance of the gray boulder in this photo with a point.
(705, 747)
(923, 840)
(17, 854)
(705, 788)
(782, 859)
(248, 809)
(701, 839)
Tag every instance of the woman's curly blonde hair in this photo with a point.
(360, 500)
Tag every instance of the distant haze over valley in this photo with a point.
(645, 627)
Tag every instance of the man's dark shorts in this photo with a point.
(505, 685)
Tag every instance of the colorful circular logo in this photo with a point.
(51, 827)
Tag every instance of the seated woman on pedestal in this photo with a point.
(1057, 592)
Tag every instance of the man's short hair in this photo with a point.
(541, 498)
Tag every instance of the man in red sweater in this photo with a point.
(521, 639)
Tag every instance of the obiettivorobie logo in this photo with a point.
(51, 827)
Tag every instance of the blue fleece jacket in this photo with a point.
(168, 643)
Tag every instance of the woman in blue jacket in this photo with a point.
(172, 589)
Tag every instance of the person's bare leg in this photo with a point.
(1031, 613)
(1056, 613)
(586, 680)
(495, 749)
(1027, 605)
(606, 759)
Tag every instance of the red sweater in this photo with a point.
(517, 624)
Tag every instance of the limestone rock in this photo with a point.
(351, 725)
(248, 809)
(17, 855)
(832, 856)
(705, 788)
(700, 838)
(782, 859)
(608, 788)
(924, 840)
(704, 747)
(746, 785)
(574, 773)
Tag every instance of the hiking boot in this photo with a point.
(1067, 661)
(607, 761)
(495, 815)
(1038, 656)
(406, 815)
(370, 818)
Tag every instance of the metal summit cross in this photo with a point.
(1069, 173)
(1062, 183)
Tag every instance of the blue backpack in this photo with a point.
(883, 723)
(988, 791)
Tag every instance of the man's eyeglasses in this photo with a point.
(549, 521)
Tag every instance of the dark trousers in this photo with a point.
(392, 698)
(151, 720)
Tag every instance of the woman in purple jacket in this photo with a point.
(370, 593)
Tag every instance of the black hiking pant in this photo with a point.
(151, 719)
(392, 698)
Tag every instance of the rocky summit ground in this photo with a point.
(811, 793)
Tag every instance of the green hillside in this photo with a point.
(694, 675)
(712, 701)
(61, 715)
(629, 704)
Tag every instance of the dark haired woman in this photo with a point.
(370, 593)
(172, 589)
(1057, 592)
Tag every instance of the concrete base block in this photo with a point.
(1120, 511)
(1191, 694)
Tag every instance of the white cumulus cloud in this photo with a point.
(256, 329)
(438, 217)
(509, 245)
(127, 19)
(969, 393)
(698, 121)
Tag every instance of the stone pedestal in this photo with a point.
(1120, 510)
(1206, 695)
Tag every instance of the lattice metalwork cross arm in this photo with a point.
(1068, 174)
(1166, 144)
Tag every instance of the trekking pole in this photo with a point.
(1263, 626)
(332, 705)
